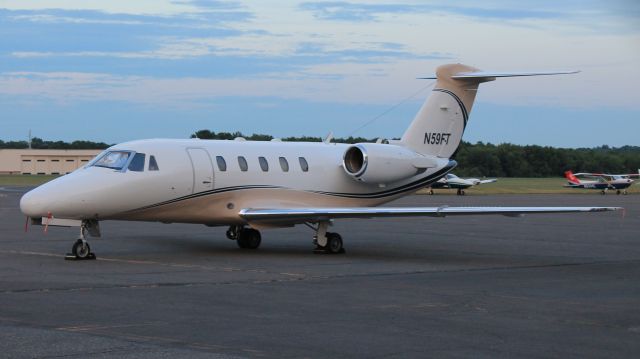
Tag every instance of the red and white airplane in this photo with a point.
(600, 181)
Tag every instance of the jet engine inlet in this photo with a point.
(355, 161)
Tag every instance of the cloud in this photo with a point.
(346, 11)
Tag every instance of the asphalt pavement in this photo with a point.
(556, 285)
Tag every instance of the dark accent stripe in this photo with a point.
(206, 193)
(465, 114)
(405, 188)
(391, 192)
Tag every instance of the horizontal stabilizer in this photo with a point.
(301, 215)
(486, 75)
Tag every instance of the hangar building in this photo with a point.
(43, 162)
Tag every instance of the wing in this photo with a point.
(491, 180)
(302, 215)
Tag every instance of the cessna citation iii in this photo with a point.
(250, 186)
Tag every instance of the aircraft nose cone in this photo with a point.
(32, 205)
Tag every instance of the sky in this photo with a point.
(115, 71)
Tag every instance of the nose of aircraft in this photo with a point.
(54, 197)
(33, 204)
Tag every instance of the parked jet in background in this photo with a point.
(452, 181)
(600, 181)
(250, 185)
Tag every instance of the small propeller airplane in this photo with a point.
(252, 185)
(452, 181)
(600, 181)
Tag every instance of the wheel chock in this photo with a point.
(71, 257)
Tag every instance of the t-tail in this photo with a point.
(438, 127)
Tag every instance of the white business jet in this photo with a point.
(250, 185)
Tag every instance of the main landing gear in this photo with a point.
(246, 238)
(81, 249)
(624, 191)
(460, 192)
(326, 242)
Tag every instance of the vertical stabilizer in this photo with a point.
(438, 127)
(571, 177)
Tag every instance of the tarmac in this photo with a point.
(557, 285)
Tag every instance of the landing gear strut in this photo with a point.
(460, 192)
(81, 249)
(246, 238)
(327, 242)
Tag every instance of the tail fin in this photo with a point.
(571, 177)
(438, 127)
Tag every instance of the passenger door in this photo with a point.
(202, 169)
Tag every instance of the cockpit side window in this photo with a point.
(114, 159)
(137, 163)
(153, 165)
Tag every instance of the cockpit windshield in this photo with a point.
(116, 160)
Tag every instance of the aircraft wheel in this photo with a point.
(618, 192)
(430, 191)
(81, 249)
(603, 193)
(334, 243)
(249, 238)
(462, 192)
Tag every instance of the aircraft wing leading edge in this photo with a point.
(301, 215)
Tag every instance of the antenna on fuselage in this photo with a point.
(329, 137)
(392, 108)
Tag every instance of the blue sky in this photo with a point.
(121, 70)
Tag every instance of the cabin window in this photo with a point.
(153, 164)
(115, 160)
(284, 164)
(242, 162)
(264, 165)
(222, 164)
(137, 163)
(303, 164)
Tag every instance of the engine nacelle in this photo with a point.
(382, 163)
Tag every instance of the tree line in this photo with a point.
(40, 144)
(474, 160)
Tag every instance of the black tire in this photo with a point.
(334, 243)
(81, 249)
(618, 192)
(249, 238)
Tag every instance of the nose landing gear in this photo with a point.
(81, 249)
